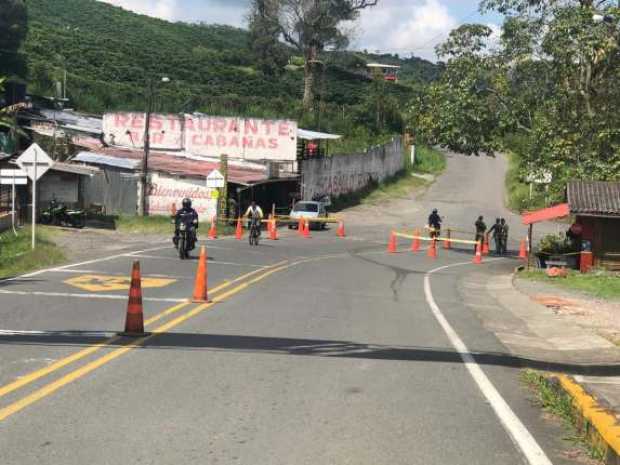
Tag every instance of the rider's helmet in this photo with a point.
(187, 203)
(434, 210)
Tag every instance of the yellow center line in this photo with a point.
(35, 375)
(89, 367)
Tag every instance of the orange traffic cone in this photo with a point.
(239, 230)
(200, 286)
(213, 229)
(415, 244)
(340, 230)
(300, 226)
(432, 250)
(307, 229)
(173, 209)
(447, 245)
(485, 245)
(522, 251)
(392, 243)
(478, 256)
(134, 322)
(273, 229)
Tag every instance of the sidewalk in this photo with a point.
(556, 331)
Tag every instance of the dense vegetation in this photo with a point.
(548, 93)
(109, 54)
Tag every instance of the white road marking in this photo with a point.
(10, 332)
(86, 296)
(73, 265)
(517, 431)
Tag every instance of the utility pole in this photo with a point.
(147, 147)
(144, 210)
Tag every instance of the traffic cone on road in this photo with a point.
(392, 243)
(340, 230)
(415, 244)
(300, 227)
(478, 256)
(307, 229)
(432, 250)
(213, 229)
(134, 321)
(485, 245)
(201, 284)
(447, 245)
(239, 230)
(522, 251)
(273, 229)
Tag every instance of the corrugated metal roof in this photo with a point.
(594, 197)
(99, 159)
(75, 169)
(314, 135)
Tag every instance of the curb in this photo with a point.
(596, 422)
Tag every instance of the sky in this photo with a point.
(394, 26)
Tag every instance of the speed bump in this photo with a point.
(104, 283)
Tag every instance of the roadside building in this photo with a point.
(595, 207)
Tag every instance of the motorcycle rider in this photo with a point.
(189, 211)
(254, 212)
(434, 223)
(481, 228)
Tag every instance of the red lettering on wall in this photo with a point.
(219, 125)
(210, 140)
(250, 126)
(137, 122)
(283, 128)
(158, 138)
(204, 124)
(260, 143)
(268, 126)
(221, 141)
(155, 123)
(273, 143)
(234, 142)
(233, 126)
(248, 142)
(189, 124)
(196, 139)
(121, 120)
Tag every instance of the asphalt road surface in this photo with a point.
(313, 351)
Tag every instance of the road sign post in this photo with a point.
(13, 178)
(35, 162)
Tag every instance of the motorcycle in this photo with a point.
(57, 214)
(185, 241)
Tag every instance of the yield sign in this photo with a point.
(215, 179)
(34, 161)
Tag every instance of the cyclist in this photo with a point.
(254, 213)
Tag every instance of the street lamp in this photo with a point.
(147, 142)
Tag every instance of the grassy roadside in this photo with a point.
(551, 398)
(17, 257)
(600, 284)
(429, 160)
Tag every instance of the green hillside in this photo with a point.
(110, 53)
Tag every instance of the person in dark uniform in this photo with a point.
(481, 228)
(434, 223)
(503, 236)
(495, 230)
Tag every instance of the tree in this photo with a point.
(13, 29)
(311, 26)
(458, 111)
(264, 36)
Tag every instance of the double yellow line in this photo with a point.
(78, 373)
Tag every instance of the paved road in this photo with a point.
(320, 350)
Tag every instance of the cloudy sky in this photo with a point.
(396, 26)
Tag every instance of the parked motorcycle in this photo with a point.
(186, 239)
(58, 214)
